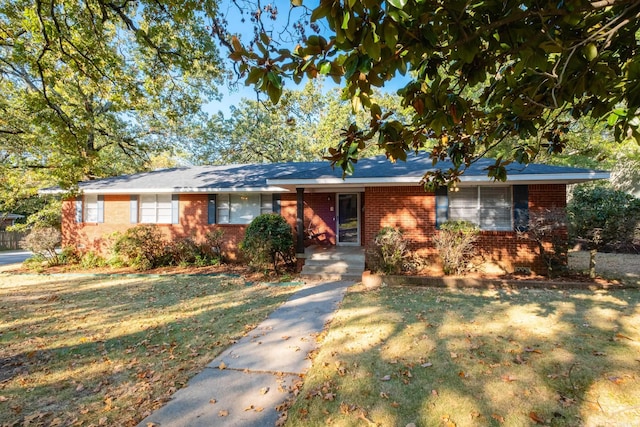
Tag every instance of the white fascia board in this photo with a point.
(180, 190)
(564, 178)
(414, 180)
(344, 182)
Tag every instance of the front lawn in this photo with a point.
(402, 356)
(86, 350)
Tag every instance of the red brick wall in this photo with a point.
(409, 208)
(413, 210)
(193, 223)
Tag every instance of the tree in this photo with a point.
(602, 216)
(480, 72)
(91, 89)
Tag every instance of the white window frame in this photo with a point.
(476, 210)
(90, 213)
(242, 208)
(155, 209)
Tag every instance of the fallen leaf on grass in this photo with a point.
(454, 355)
(386, 378)
(623, 337)
(599, 353)
(566, 401)
(532, 350)
(384, 395)
(508, 378)
(498, 418)
(434, 393)
(427, 365)
(616, 380)
(461, 374)
(395, 404)
(3, 399)
(536, 418)
(329, 396)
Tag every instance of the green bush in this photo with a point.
(268, 240)
(43, 241)
(213, 241)
(69, 256)
(388, 251)
(92, 259)
(141, 247)
(602, 216)
(455, 242)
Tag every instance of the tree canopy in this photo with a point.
(479, 72)
(91, 89)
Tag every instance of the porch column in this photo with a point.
(300, 220)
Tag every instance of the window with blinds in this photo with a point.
(488, 207)
(242, 208)
(155, 209)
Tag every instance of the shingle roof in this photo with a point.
(276, 177)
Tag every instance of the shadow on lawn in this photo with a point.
(432, 356)
(87, 348)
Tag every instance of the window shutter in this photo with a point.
(211, 209)
(521, 207)
(100, 208)
(79, 209)
(442, 206)
(175, 209)
(133, 210)
(276, 203)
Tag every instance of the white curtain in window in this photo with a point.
(155, 208)
(91, 208)
(244, 208)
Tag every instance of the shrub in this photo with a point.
(547, 229)
(43, 241)
(388, 252)
(267, 240)
(92, 259)
(69, 256)
(455, 244)
(183, 252)
(602, 216)
(213, 241)
(141, 247)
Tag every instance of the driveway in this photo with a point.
(13, 257)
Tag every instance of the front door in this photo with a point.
(348, 223)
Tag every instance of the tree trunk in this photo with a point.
(592, 263)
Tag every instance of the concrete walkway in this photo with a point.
(259, 370)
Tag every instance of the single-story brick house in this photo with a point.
(318, 203)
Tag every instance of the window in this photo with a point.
(156, 209)
(488, 207)
(91, 208)
(242, 208)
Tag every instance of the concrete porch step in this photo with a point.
(333, 263)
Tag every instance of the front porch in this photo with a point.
(333, 263)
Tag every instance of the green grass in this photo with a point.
(432, 357)
(79, 350)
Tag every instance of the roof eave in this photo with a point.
(568, 178)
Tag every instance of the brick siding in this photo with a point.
(409, 208)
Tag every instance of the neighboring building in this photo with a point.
(316, 201)
(8, 219)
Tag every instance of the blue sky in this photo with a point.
(233, 96)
